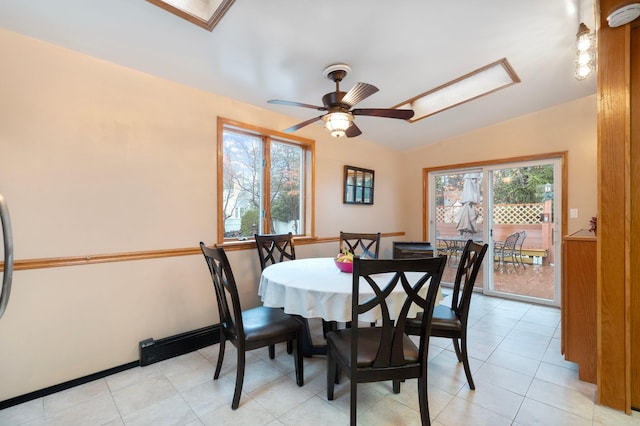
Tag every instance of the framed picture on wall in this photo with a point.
(358, 185)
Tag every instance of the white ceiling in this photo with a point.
(277, 49)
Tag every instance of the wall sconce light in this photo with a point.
(337, 123)
(586, 53)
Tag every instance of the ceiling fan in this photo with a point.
(339, 117)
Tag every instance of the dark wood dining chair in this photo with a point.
(374, 354)
(451, 321)
(362, 245)
(359, 244)
(250, 329)
(276, 248)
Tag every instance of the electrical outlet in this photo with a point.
(573, 213)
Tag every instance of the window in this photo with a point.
(264, 182)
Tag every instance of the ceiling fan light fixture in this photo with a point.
(337, 123)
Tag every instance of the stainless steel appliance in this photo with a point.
(8, 255)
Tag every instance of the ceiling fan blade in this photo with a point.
(301, 125)
(299, 104)
(403, 114)
(353, 131)
(358, 93)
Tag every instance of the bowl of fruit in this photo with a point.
(344, 262)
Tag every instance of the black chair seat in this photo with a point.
(368, 342)
(444, 319)
(267, 323)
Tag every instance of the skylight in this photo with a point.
(480, 82)
(204, 13)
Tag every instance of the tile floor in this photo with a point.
(520, 376)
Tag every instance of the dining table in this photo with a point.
(316, 288)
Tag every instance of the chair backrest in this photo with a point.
(468, 268)
(362, 245)
(226, 291)
(510, 241)
(383, 276)
(275, 248)
(522, 235)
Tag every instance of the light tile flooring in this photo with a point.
(520, 376)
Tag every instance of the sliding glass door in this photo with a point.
(516, 209)
(456, 215)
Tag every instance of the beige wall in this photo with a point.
(567, 127)
(99, 159)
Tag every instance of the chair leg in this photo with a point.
(354, 401)
(465, 362)
(331, 374)
(289, 347)
(272, 351)
(220, 358)
(326, 327)
(396, 386)
(456, 347)
(297, 354)
(239, 380)
(424, 401)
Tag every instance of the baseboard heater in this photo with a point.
(158, 350)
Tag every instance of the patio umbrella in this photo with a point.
(468, 215)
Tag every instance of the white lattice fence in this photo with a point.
(502, 213)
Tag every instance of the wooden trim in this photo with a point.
(312, 213)
(55, 262)
(264, 131)
(219, 180)
(425, 204)
(563, 155)
(207, 24)
(634, 198)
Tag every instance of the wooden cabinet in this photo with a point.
(579, 303)
(412, 249)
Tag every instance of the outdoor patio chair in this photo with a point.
(522, 235)
(451, 321)
(506, 249)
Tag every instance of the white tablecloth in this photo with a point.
(315, 288)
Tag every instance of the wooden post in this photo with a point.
(618, 224)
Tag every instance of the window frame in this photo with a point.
(267, 136)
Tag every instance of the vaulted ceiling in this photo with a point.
(277, 49)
